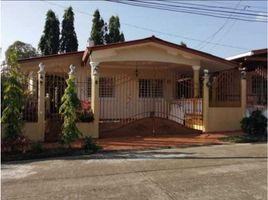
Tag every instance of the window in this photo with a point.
(107, 87)
(89, 87)
(106, 84)
(149, 88)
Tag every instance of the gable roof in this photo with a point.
(158, 41)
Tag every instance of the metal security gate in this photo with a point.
(55, 85)
(152, 93)
(257, 88)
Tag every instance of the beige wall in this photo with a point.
(87, 129)
(31, 131)
(224, 119)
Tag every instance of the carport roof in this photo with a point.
(158, 41)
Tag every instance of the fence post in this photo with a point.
(243, 92)
(41, 102)
(205, 108)
(95, 101)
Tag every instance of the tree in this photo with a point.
(114, 31)
(49, 41)
(21, 49)
(97, 30)
(69, 105)
(68, 41)
(13, 99)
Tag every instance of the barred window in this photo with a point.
(107, 87)
(149, 88)
(89, 87)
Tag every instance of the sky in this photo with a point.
(24, 21)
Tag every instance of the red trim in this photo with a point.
(51, 56)
(159, 41)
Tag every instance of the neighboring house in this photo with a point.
(255, 63)
(146, 86)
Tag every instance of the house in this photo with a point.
(255, 62)
(145, 86)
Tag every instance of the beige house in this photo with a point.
(146, 86)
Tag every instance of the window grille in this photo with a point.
(107, 87)
(184, 88)
(149, 88)
(89, 87)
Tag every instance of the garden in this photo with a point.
(16, 146)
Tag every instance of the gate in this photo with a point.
(147, 101)
(55, 85)
(257, 88)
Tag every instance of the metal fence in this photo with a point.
(224, 89)
(30, 109)
(257, 88)
(148, 93)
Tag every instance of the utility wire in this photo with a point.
(210, 38)
(150, 30)
(179, 5)
(186, 10)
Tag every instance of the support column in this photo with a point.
(243, 92)
(205, 108)
(41, 103)
(196, 70)
(95, 100)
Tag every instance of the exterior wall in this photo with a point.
(30, 130)
(87, 129)
(224, 119)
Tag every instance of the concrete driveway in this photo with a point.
(212, 172)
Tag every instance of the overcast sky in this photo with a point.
(24, 21)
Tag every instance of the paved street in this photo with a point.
(212, 172)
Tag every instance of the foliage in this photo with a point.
(68, 41)
(101, 34)
(90, 145)
(13, 100)
(97, 30)
(22, 50)
(244, 139)
(86, 116)
(69, 105)
(49, 41)
(36, 148)
(19, 144)
(114, 34)
(255, 124)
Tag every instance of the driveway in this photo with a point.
(211, 172)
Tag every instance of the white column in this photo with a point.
(243, 92)
(41, 103)
(196, 70)
(95, 100)
(205, 108)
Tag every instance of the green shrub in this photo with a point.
(255, 124)
(36, 148)
(90, 145)
(69, 105)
